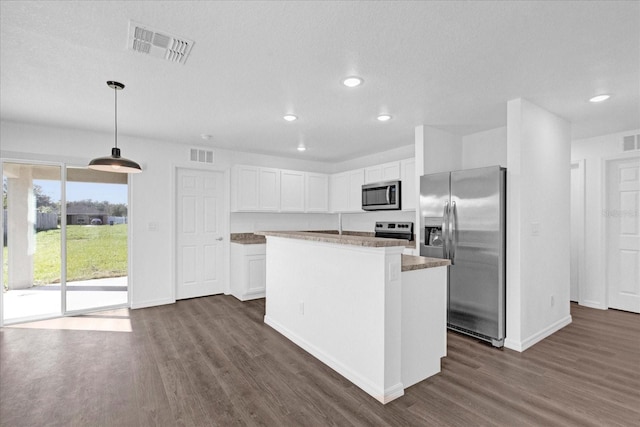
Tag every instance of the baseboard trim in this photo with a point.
(152, 303)
(592, 304)
(538, 336)
(377, 392)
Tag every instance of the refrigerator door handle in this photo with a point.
(445, 234)
(453, 227)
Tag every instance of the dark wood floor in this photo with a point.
(212, 361)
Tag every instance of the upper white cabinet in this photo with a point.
(408, 178)
(385, 172)
(340, 190)
(258, 189)
(316, 192)
(269, 185)
(255, 189)
(291, 191)
(346, 191)
(356, 181)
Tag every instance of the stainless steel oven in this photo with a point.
(381, 196)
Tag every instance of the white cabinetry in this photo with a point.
(409, 194)
(255, 189)
(258, 189)
(340, 192)
(385, 172)
(316, 192)
(356, 180)
(248, 271)
(291, 191)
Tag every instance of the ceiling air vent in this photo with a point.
(631, 142)
(160, 44)
(200, 155)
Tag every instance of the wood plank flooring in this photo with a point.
(212, 361)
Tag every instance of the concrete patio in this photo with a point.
(41, 301)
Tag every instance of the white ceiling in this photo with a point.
(451, 65)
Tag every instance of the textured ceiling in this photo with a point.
(452, 65)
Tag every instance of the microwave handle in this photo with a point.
(388, 194)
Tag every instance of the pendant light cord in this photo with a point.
(115, 90)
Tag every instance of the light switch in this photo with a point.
(153, 226)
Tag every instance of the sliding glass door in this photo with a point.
(96, 239)
(32, 256)
(65, 239)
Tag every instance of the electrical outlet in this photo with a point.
(553, 300)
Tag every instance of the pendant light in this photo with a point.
(114, 162)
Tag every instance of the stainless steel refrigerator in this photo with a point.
(463, 218)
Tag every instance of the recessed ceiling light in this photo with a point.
(384, 117)
(600, 98)
(302, 148)
(205, 136)
(290, 117)
(352, 81)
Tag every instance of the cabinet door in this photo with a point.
(356, 181)
(339, 194)
(390, 171)
(291, 191)
(256, 273)
(316, 192)
(373, 174)
(246, 188)
(269, 189)
(408, 190)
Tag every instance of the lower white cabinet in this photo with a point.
(248, 271)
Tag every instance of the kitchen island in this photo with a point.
(356, 303)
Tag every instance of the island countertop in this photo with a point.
(413, 262)
(341, 239)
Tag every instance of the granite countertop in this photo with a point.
(412, 262)
(343, 239)
(247, 239)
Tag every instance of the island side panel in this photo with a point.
(331, 300)
(424, 323)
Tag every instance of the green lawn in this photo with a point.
(93, 252)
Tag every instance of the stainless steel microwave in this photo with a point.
(381, 196)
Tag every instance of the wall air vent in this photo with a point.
(631, 142)
(200, 155)
(160, 44)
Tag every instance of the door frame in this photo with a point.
(63, 242)
(606, 164)
(174, 218)
(581, 238)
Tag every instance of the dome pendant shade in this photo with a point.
(115, 162)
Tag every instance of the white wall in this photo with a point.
(538, 219)
(488, 148)
(151, 252)
(248, 222)
(400, 153)
(594, 152)
(442, 151)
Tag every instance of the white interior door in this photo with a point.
(201, 232)
(623, 234)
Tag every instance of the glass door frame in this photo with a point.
(63, 249)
